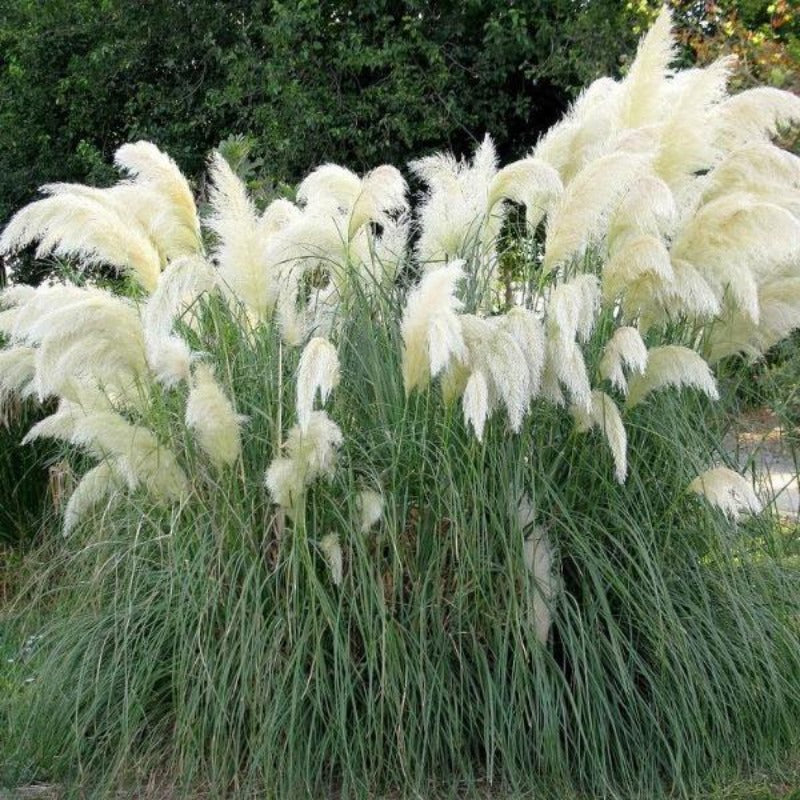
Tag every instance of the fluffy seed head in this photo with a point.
(728, 491)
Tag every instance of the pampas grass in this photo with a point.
(346, 523)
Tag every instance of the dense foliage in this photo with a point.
(312, 82)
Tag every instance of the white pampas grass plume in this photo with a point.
(332, 551)
(579, 217)
(640, 260)
(572, 308)
(431, 328)
(476, 402)
(689, 293)
(97, 484)
(277, 215)
(370, 508)
(330, 188)
(527, 332)
(760, 169)
(454, 215)
(318, 371)
(16, 371)
(59, 425)
(565, 366)
(157, 171)
(68, 225)
(382, 190)
(16, 295)
(604, 414)
(734, 239)
(624, 350)
(672, 365)
(135, 449)
(583, 132)
(538, 557)
(756, 114)
(728, 491)
(311, 454)
(238, 250)
(213, 419)
(687, 138)
(529, 181)
(642, 86)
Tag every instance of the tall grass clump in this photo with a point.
(348, 521)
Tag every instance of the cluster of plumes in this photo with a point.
(658, 199)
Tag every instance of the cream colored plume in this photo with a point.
(238, 251)
(687, 141)
(501, 372)
(331, 188)
(641, 88)
(524, 327)
(383, 190)
(734, 332)
(212, 418)
(756, 114)
(688, 294)
(317, 372)
(98, 484)
(182, 283)
(454, 216)
(476, 403)
(142, 205)
(579, 218)
(431, 327)
(311, 454)
(539, 559)
(728, 491)
(636, 271)
(152, 169)
(135, 449)
(572, 308)
(565, 366)
(582, 134)
(648, 207)
(529, 181)
(624, 350)
(16, 372)
(370, 508)
(734, 239)
(672, 365)
(77, 226)
(760, 169)
(332, 551)
(604, 414)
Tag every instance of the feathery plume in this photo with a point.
(572, 308)
(530, 182)
(68, 225)
(625, 349)
(370, 508)
(579, 217)
(155, 170)
(604, 414)
(641, 88)
(16, 371)
(476, 402)
(238, 250)
(431, 328)
(213, 419)
(756, 114)
(728, 491)
(98, 484)
(332, 551)
(318, 371)
(538, 556)
(672, 365)
(382, 190)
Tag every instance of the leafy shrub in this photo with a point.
(350, 527)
